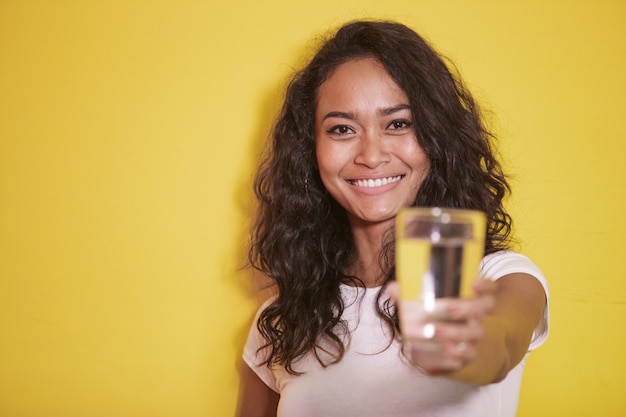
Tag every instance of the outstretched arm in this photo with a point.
(479, 340)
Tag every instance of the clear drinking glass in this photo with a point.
(438, 254)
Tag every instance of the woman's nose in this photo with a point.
(372, 151)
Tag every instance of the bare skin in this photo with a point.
(256, 399)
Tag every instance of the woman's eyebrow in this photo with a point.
(394, 109)
(340, 115)
(382, 112)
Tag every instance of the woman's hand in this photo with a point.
(444, 339)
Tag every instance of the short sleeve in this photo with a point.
(496, 265)
(253, 356)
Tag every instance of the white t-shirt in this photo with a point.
(374, 379)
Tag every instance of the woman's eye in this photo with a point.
(340, 130)
(399, 124)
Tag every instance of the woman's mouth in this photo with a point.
(378, 182)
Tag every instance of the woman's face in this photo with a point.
(367, 151)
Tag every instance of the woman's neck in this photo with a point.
(368, 241)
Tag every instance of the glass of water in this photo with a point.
(438, 254)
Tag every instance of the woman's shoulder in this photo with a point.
(497, 265)
(504, 262)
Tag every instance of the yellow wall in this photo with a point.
(128, 135)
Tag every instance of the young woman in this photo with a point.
(377, 122)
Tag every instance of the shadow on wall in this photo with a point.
(250, 282)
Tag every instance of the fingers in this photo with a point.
(468, 332)
(452, 340)
(440, 345)
(484, 286)
(468, 308)
(444, 339)
(435, 357)
(432, 361)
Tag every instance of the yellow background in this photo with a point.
(129, 131)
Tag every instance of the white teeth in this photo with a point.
(379, 182)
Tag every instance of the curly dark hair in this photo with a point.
(302, 239)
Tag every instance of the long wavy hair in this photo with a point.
(302, 239)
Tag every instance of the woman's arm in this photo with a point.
(507, 330)
(482, 338)
(255, 398)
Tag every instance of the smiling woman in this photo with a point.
(374, 123)
(368, 156)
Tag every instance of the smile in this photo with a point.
(378, 182)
